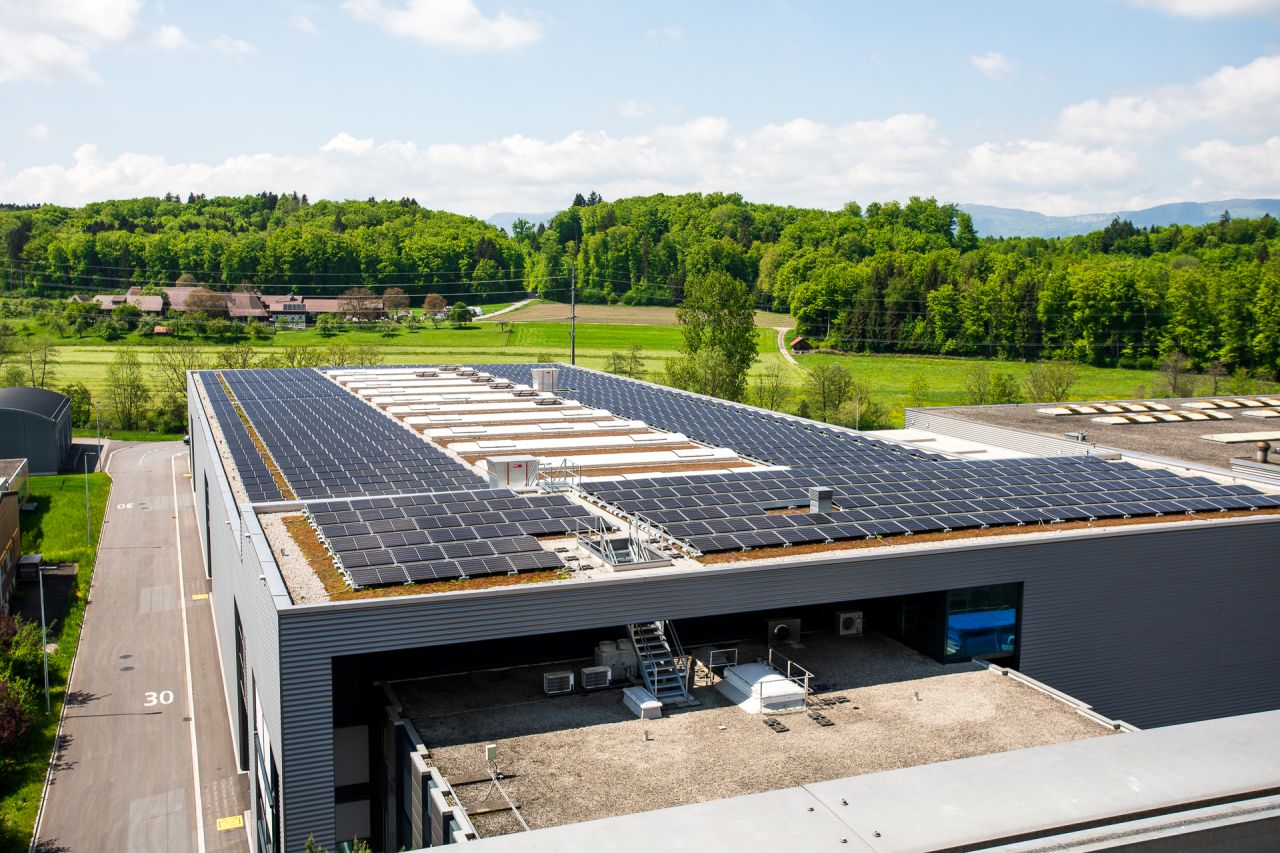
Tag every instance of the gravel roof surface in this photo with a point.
(583, 757)
(1172, 440)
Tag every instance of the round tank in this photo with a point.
(608, 646)
(624, 645)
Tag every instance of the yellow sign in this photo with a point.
(236, 821)
(200, 596)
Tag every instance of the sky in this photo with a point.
(481, 106)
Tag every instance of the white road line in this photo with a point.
(110, 456)
(186, 648)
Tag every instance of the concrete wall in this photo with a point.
(237, 565)
(1151, 625)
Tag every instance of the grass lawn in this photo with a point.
(889, 375)
(56, 529)
(126, 434)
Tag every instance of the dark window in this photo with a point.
(982, 621)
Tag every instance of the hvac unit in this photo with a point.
(557, 683)
(784, 631)
(849, 623)
(512, 471)
(544, 378)
(595, 677)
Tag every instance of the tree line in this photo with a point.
(909, 277)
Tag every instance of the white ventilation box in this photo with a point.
(595, 677)
(849, 623)
(544, 378)
(642, 703)
(512, 471)
(557, 683)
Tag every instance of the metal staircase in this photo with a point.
(663, 664)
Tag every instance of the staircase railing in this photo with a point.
(683, 662)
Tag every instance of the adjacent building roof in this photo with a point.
(36, 401)
(242, 304)
(147, 303)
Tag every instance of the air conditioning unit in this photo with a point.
(512, 471)
(557, 683)
(595, 677)
(784, 631)
(849, 623)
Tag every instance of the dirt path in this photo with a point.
(782, 346)
(517, 306)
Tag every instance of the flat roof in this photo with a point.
(1058, 796)
(1175, 440)
(584, 757)
(393, 494)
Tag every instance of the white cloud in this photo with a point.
(456, 24)
(303, 23)
(1044, 165)
(348, 144)
(993, 64)
(669, 33)
(54, 40)
(1240, 98)
(1237, 170)
(634, 109)
(36, 132)
(169, 37)
(225, 44)
(1212, 8)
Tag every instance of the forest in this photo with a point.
(909, 277)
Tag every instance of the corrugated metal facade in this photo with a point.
(235, 565)
(1153, 626)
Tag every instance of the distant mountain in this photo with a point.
(504, 220)
(1011, 222)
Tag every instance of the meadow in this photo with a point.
(57, 529)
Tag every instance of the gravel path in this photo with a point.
(782, 345)
(301, 580)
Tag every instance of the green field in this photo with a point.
(888, 377)
(57, 529)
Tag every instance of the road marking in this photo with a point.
(200, 596)
(236, 821)
(186, 647)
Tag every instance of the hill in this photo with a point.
(991, 221)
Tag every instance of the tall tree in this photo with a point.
(717, 314)
(127, 393)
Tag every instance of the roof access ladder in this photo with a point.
(663, 664)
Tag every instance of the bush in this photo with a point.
(170, 414)
(17, 710)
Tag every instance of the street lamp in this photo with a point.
(44, 638)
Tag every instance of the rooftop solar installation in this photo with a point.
(328, 443)
(751, 432)
(257, 480)
(444, 536)
(730, 512)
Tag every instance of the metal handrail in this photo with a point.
(801, 680)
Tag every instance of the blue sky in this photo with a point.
(481, 106)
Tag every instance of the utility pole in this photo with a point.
(573, 318)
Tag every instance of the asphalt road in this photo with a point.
(145, 708)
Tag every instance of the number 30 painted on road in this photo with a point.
(164, 697)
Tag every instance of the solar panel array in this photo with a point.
(258, 482)
(729, 512)
(328, 443)
(443, 536)
(760, 435)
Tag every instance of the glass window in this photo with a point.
(982, 621)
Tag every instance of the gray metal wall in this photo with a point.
(1153, 626)
(42, 442)
(1014, 439)
(236, 563)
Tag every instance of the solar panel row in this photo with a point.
(731, 511)
(418, 538)
(760, 435)
(328, 443)
(257, 480)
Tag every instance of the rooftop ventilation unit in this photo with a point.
(1076, 436)
(557, 683)
(467, 371)
(849, 623)
(500, 385)
(549, 401)
(784, 631)
(820, 499)
(524, 392)
(595, 677)
(545, 378)
(512, 471)
(426, 374)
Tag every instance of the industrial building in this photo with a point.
(601, 577)
(35, 424)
